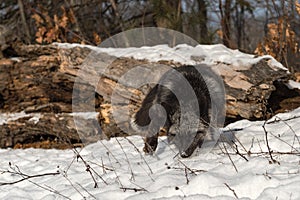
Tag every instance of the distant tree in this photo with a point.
(225, 11)
(167, 14)
(239, 20)
(204, 36)
(195, 21)
(281, 39)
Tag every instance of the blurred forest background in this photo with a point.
(260, 27)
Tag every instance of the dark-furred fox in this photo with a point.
(181, 104)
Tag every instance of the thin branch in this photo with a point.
(117, 177)
(238, 153)
(86, 191)
(132, 175)
(267, 142)
(234, 146)
(293, 131)
(50, 189)
(230, 157)
(23, 18)
(142, 189)
(194, 170)
(186, 167)
(108, 151)
(101, 166)
(89, 169)
(26, 177)
(186, 176)
(232, 190)
(17, 171)
(141, 155)
(293, 148)
(133, 189)
(65, 176)
(267, 153)
(278, 119)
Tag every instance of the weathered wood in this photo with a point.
(47, 129)
(248, 88)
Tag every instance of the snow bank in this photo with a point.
(185, 54)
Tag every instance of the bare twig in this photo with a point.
(230, 158)
(194, 170)
(252, 144)
(86, 191)
(17, 171)
(236, 139)
(231, 190)
(267, 153)
(24, 176)
(292, 148)
(283, 120)
(238, 153)
(186, 176)
(134, 189)
(132, 175)
(66, 177)
(109, 151)
(89, 169)
(104, 168)
(186, 167)
(293, 131)
(139, 187)
(141, 155)
(234, 146)
(117, 177)
(50, 189)
(267, 142)
(269, 175)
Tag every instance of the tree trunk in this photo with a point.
(226, 22)
(204, 38)
(167, 14)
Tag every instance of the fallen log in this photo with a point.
(51, 80)
(47, 130)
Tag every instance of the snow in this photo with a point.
(35, 117)
(293, 84)
(121, 164)
(7, 117)
(185, 54)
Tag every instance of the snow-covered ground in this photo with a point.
(122, 171)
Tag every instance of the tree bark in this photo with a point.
(226, 22)
(204, 38)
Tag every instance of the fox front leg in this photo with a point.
(151, 144)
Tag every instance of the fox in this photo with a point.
(181, 105)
